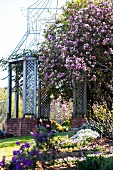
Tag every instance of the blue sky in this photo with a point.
(13, 25)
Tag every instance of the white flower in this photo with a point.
(85, 134)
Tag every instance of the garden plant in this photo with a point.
(28, 155)
(79, 44)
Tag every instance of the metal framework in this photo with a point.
(39, 15)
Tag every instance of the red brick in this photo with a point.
(77, 122)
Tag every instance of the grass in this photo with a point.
(7, 145)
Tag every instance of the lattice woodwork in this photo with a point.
(44, 102)
(80, 99)
(30, 80)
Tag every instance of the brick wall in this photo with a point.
(21, 126)
(77, 121)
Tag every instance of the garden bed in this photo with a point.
(67, 153)
(103, 142)
(106, 149)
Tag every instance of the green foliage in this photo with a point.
(67, 123)
(80, 140)
(7, 145)
(53, 124)
(94, 163)
(3, 94)
(3, 105)
(43, 137)
(102, 120)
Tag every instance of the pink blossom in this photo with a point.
(111, 50)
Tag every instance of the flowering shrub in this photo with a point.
(23, 158)
(61, 110)
(79, 140)
(102, 120)
(26, 156)
(42, 137)
(81, 41)
(2, 163)
(87, 134)
(60, 128)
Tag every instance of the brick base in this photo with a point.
(77, 121)
(22, 126)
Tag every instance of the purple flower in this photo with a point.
(40, 124)
(37, 153)
(86, 46)
(18, 167)
(35, 134)
(44, 139)
(41, 135)
(2, 163)
(50, 133)
(14, 160)
(26, 145)
(111, 88)
(111, 51)
(47, 126)
(17, 143)
(31, 153)
(105, 3)
(16, 152)
(34, 153)
(22, 147)
(26, 162)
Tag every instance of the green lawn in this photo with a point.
(7, 145)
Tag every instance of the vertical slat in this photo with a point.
(85, 94)
(24, 87)
(39, 99)
(16, 94)
(48, 107)
(35, 84)
(9, 91)
(74, 96)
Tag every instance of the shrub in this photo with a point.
(54, 124)
(80, 140)
(42, 137)
(94, 163)
(87, 134)
(103, 120)
(67, 123)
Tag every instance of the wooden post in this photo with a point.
(9, 91)
(74, 96)
(24, 86)
(16, 94)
